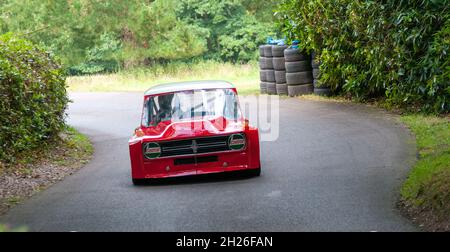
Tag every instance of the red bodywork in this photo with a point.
(247, 158)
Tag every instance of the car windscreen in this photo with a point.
(191, 105)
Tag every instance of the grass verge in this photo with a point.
(38, 169)
(245, 77)
(426, 192)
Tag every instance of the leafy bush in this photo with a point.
(395, 49)
(33, 96)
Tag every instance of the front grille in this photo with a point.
(194, 146)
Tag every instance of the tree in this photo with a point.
(96, 36)
(236, 27)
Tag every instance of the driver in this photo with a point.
(165, 107)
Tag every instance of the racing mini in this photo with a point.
(192, 128)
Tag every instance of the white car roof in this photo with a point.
(188, 85)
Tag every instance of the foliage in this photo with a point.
(236, 28)
(105, 36)
(397, 49)
(240, 42)
(100, 58)
(4, 228)
(33, 96)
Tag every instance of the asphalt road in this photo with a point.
(335, 167)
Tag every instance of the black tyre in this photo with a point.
(254, 172)
(280, 77)
(322, 91)
(268, 51)
(291, 54)
(318, 84)
(271, 88)
(297, 90)
(298, 66)
(140, 182)
(263, 87)
(316, 73)
(269, 62)
(261, 51)
(282, 89)
(299, 78)
(270, 75)
(263, 75)
(278, 63)
(278, 51)
(262, 63)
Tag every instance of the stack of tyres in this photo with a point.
(278, 63)
(299, 77)
(262, 70)
(269, 71)
(319, 88)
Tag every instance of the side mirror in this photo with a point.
(246, 124)
(138, 132)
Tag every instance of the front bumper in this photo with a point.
(167, 167)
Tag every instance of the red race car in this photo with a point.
(192, 128)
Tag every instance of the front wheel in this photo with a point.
(255, 172)
(139, 182)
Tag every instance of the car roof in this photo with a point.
(188, 85)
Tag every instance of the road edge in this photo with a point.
(42, 168)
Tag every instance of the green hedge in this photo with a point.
(396, 49)
(33, 96)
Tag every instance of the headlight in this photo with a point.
(237, 142)
(152, 150)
